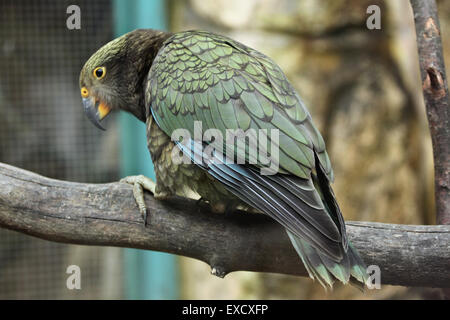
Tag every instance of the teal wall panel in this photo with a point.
(149, 275)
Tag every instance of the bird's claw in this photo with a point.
(140, 183)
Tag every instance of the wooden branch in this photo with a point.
(106, 215)
(435, 91)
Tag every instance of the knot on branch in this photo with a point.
(434, 82)
(431, 29)
(218, 271)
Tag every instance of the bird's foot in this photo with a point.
(141, 183)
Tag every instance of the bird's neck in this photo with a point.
(143, 46)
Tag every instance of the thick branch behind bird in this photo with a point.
(435, 91)
(107, 215)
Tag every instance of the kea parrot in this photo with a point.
(172, 80)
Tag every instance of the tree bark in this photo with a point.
(107, 215)
(435, 92)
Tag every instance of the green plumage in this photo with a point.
(221, 73)
(200, 76)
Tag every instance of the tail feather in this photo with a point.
(358, 268)
(313, 264)
(325, 270)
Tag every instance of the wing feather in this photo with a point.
(199, 76)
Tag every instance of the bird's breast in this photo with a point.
(184, 180)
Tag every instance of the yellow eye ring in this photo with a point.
(84, 92)
(99, 72)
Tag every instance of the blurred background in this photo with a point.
(362, 87)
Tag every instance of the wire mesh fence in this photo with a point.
(43, 129)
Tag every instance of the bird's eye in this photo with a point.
(99, 72)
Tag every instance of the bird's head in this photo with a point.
(113, 77)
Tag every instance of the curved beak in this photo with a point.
(95, 111)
